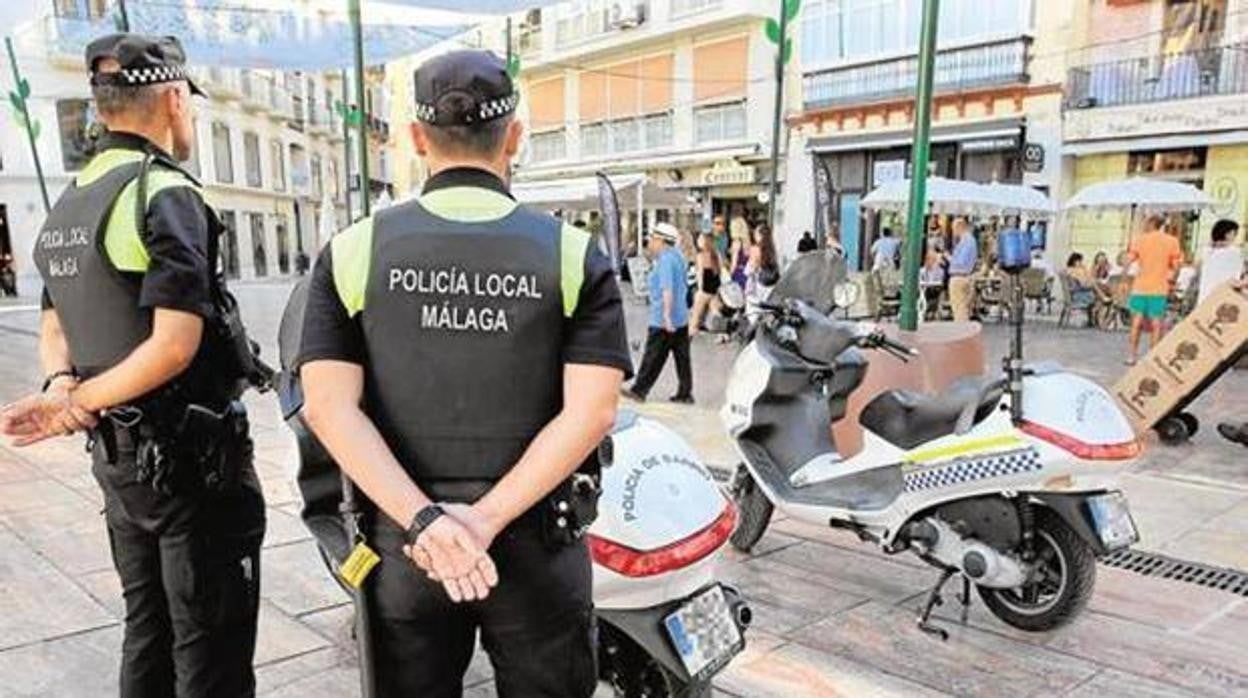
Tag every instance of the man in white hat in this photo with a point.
(669, 317)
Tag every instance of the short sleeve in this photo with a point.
(595, 333)
(330, 333)
(176, 237)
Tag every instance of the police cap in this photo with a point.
(144, 60)
(462, 88)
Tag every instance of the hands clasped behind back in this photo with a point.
(453, 551)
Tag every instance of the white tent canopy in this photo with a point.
(1138, 193)
(946, 196)
(1011, 199)
(581, 193)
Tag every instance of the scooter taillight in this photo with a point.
(682, 553)
(1080, 449)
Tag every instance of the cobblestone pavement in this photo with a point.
(834, 617)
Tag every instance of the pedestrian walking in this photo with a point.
(719, 232)
(885, 251)
(142, 348)
(707, 296)
(461, 358)
(961, 266)
(669, 317)
(833, 243)
(1158, 257)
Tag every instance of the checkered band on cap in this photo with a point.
(151, 76)
(492, 109)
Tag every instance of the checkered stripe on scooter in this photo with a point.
(1023, 460)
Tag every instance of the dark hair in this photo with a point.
(1155, 221)
(1224, 229)
(482, 140)
(767, 248)
(119, 99)
(888, 232)
(1073, 259)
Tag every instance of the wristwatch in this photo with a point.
(422, 520)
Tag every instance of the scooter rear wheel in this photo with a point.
(754, 510)
(1061, 586)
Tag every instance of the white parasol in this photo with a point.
(1138, 193)
(945, 196)
(1008, 199)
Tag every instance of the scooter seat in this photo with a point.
(906, 418)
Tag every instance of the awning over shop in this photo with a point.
(581, 193)
(966, 132)
(1186, 140)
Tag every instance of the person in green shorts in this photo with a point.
(1157, 255)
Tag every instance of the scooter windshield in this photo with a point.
(811, 278)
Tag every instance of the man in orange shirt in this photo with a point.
(1158, 256)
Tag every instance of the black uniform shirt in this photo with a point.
(595, 334)
(176, 239)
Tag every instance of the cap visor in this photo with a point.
(194, 88)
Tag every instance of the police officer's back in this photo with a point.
(463, 349)
(137, 347)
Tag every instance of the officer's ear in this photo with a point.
(515, 132)
(420, 140)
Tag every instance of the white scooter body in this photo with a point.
(655, 493)
(910, 488)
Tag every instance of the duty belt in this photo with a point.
(191, 449)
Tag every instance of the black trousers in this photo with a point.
(190, 576)
(537, 625)
(659, 343)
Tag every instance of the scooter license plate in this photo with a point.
(704, 633)
(1112, 520)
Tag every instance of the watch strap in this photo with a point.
(422, 520)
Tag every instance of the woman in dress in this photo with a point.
(707, 266)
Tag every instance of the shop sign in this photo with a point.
(728, 173)
(887, 171)
(989, 145)
(1033, 158)
(1157, 119)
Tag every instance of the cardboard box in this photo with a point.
(1223, 320)
(1202, 344)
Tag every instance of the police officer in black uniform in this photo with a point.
(460, 358)
(141, 346)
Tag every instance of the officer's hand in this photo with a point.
(482, 528)
(70, 418)
(456, 559)
(31, 420)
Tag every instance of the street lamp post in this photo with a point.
(909, 319)
(20, 99)
(778, 28)
(353, 9)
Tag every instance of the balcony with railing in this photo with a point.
(584, 22)
(255, 89)
(981, 65)
(279, 103)
(223, 82)
(687, 8)
(1222, 70)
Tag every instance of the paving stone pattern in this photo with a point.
(834, 617)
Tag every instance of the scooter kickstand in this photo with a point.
(965, 598)
(933, 600)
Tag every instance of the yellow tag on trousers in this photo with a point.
(354, 570)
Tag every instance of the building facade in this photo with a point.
(675, 94)
(996, 113)
(268, 152)
(1159, 88)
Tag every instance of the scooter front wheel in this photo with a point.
(1060, 586)
(753, 508)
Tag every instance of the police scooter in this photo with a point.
(1009, 483)
(665, 625)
